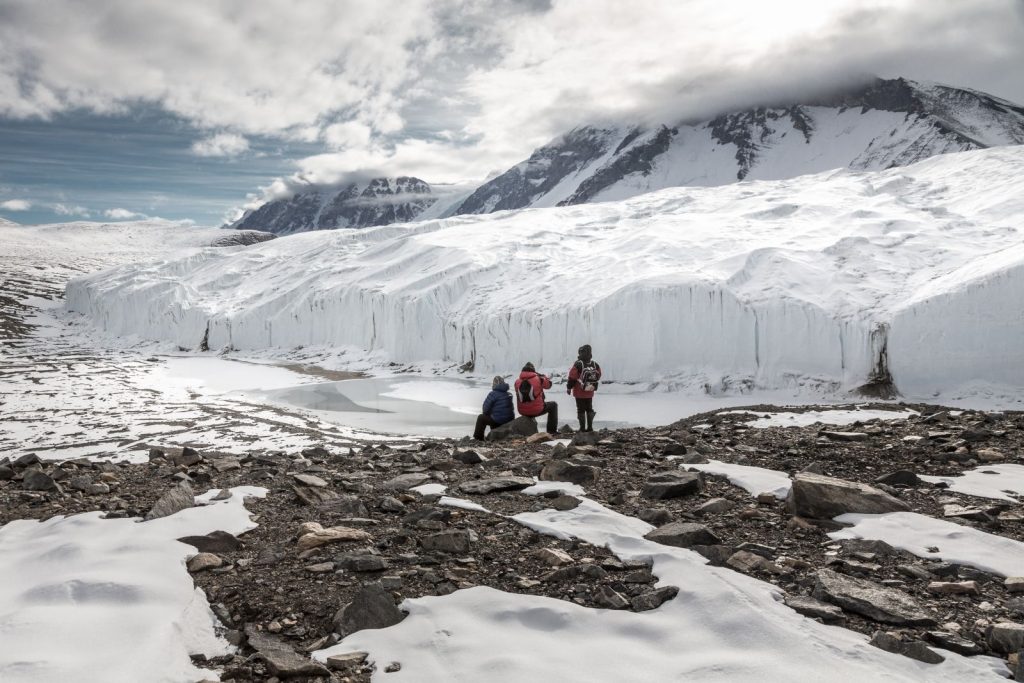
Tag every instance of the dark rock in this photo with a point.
(609, 598)
(26, 460)
(495, 485)
(715, 506)
(467, 457)
(672, 485)
(521, 427)
(815, 609)
(404, 482)
(870, 599)
(765, 551)
(451, 541)
(914, 649)
(187, 458)
(213, 542)
(566, 470)
(844, 436)
(1006, 637)
(6, 473)
(310, 480)
(564, 502)
(372, 607)
(683, 535)
(280, 658)
(177, 499)
(716, 555)
(313, 495)
(584, 439)
(900, 478)
(954, 643)
(656, 516)
(820, 497)
(653, 599)
(349, 506)
(362, 562)
(346, 662)
(37, 480)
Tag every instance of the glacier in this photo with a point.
(911, 277)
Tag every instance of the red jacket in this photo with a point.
(577, 386)
(530, 393)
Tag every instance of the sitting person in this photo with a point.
(497, 408)
(530, 397)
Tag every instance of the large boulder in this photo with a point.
(666, 485)
(819, 497)
(280, 657)
(566, 470)
(870, 599)
(177, 499)
(683, 535)
(521, 426)
(372, 607)
(1006, 637)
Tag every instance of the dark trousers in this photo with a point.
(585, 413)
(482, 423)
(551, 410)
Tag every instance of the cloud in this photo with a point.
(122, 214)
(221, 145)
(16, 205)
(66, 210)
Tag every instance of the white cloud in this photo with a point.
(122, 214)
(67, 210)
(16, 205)
(221, 145)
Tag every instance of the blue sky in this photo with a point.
(195, 109)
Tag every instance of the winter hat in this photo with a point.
(498, 379)
(529, 367)
(585, 352)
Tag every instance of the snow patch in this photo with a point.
(753, 480)
(1000, 482)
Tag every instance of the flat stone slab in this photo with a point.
(819, 497)
(496, 485)
(869, 599)
(683, 535)
(281, 659)
(177, 499)
(814, 608)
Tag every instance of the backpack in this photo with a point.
(588, 375)
(525, 392)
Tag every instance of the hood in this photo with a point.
(501, 388)
(527, 374)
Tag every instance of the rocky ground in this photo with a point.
(343, 538)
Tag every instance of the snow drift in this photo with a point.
(834, 280)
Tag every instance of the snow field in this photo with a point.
(90, 599)
(753, 480)
(801, 282)
(1001, 482)
(721, 626)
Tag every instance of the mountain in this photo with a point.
(7, 222)
(883, 124)
(379, 201)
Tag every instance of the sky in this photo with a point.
(196, 109)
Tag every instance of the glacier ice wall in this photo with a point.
(819, 279)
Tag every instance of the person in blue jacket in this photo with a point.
(497, 408)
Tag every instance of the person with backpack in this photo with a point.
(584, 376)
(530, 397)
(497, 408)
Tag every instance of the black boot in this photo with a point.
(582, 416)
(590, 420)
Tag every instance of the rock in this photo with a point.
(954, 643)
(227, 464)
(953, 587)
(521, 426)
(815, 609)
(564, 502)
(280, 658)
(715, 506)
(1014, 584)
(451, 541)
(362, 562)
(609, 598)
(655, 516)
(566, 470)
(26, 460)
(37, 480)
(844, 436)
(177, 499)
(668, 485)
(1015, 607)
(495, 485)
(203, 561)
(716, 555)
(900, 478)
(348, 506)
(766, 551)
(320, 568)
(746, 562)
(393, 667)
(555, 557)
(870, 599)
(313, 535)
(468, 457)
(820, 497)
(371, 607)
(584, 439)
(404, 482)
(391, 504)
(346, 662)
(954, 510)
(213, 542)
(683, 535)
(914, 649)
(6, 473)
(187, 458)
(653, 599)
(310, 480)
(1006, 637)
(314, 495)
(989, 455)
(539, 437)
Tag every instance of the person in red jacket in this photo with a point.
(530, 397)
(584, 376)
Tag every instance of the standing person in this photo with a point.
(530, 397)
(497, 408)
(584, 376)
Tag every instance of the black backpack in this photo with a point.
(589, 375)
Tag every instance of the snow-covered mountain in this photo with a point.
(910, 277)
(6, 222)
(379, 201)
(883, 124)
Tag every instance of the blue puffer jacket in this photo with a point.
(498, 404)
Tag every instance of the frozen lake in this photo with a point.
(420, 405)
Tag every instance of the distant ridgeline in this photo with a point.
(880, 125)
